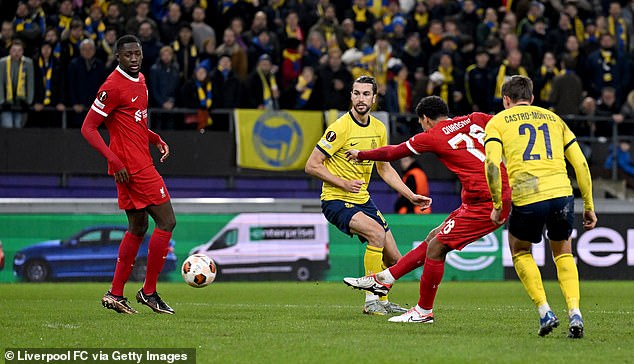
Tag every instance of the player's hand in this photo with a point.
(419, 200)
(496, 216)
(164, 149)
(352, 155)
(589, 220)
(353, 186)
(122, 176)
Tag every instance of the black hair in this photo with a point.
(124, 40)
(433, 107)
(368, 79)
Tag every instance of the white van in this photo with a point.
(257, 244)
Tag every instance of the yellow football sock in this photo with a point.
(529, 274)
(372, 260)
(568, 277)
(383, 267)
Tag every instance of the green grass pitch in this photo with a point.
(288, 322)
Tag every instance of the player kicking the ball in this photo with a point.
(459, 144)
(345, 200)
(122, 103)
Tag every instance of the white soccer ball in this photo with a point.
(198, 270)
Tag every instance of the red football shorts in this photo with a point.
(468, 223)
(145, 188)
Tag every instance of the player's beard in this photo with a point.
(362, 113)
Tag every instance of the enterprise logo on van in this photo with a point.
(282, 233)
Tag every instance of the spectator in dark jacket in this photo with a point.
(567, 89)
(479, 83)
(226, 86)
(164, 88)
(606, 67)
(85, 74)
(171, 24)
(150, 46)
(336, 81)
(607, 107)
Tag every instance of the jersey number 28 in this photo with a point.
(475, 132)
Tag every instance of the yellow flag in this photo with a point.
(276, 140)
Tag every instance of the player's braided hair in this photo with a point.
(129, 38)
(433, 107)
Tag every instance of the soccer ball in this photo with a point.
(198, 270)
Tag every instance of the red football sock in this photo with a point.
(128, 249)
(410, 261)
(429, 282)
(157, 253)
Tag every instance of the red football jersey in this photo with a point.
(123, 101)
(459, 144)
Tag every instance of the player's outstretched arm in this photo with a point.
(315, 167)
(386, 153)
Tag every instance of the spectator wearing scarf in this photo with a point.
(511, 66)
(197, 93)
(447, 82)
(263, 92)
(94, 25)
(16, 86)
(544, 80)
(48, 88)
(617, 26)
(305, 93)
(606, 67)
(398, 93)
(291, 62)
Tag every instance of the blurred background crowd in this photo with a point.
(294, 54)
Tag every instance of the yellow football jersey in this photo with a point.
(533, 144)
(344, 134)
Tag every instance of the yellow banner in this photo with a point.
(276, 140)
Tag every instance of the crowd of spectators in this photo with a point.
(294, 54)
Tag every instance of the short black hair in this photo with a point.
(368, 79)
(128, 38)
(433, 107)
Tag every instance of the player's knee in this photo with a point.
(167, 225)
(138, 230)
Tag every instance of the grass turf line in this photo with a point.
(288, 322)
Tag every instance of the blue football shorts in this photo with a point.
(527, 222)
(339, 213)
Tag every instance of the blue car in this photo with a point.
(89, 254)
